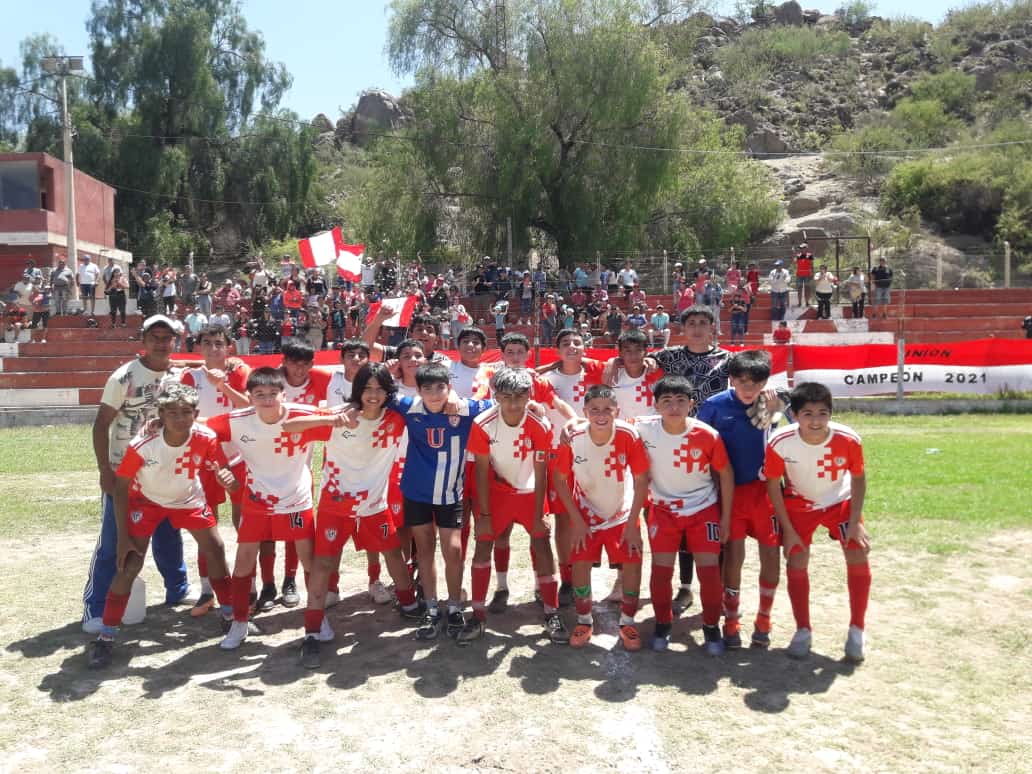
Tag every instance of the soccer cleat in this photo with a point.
(379, 593)
(732, 635)
(473, 630)
(565, 594)
(414, 613)
(290, 596)
(205, 602)
(713, 641)
(799, 647)
(238, 631)
(581, 635)
(332, 599)
(100, 653)
(456, 623)
(326, 633)
(93, 625)
(227, 623)
(499, 602)
(310, 653)
(855, 645)
(661, 637)
(760, 639)
(683, 599)
(630, 638)
(267, 599)
(556, 629)
(430, 627)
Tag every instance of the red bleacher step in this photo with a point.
(58, 364)
(16, 381)
(76, 348)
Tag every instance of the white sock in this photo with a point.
(453, 607)
(502, 582)
(205, 586)
(626, 620)
(585, 619)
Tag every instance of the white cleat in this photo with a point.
(332, 599)
(235, 636)
(93, 625)
(379, 593)
(799, 647)
(855, 645)
(326, 632)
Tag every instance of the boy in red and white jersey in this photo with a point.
(632, 381)
(601, 477)
(570, 376)
(221, 387)
(511, 448)
(277, 501)
(684, 455)
(158, 479)
(357, 499)
(822, 466)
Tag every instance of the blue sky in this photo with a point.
(333, 48)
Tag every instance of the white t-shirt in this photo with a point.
(338, 391)
(779, 279)
(260, 278)
(820, 475)
(368, 275)
(131, 391)
(278, 477)
(169, 475)
(513, 450)
(682, 465)
(627, 277)
(466, 380)
(88, 273)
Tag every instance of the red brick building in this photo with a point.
(34, 219)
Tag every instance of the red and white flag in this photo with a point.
(401, 307)
(321, 249)
(349, 262)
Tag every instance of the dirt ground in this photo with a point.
(946, 684)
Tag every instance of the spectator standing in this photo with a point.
(87, 278)
(627, 278)
(580, 278)
(614, 323)
(752, 279)
(193, 321)
(188, 282)
(500, 310)
(824, 283)
(368, 275)
(856, 289)
(804, 273)
(33, 274)
(549, 318)
(881, 279)
(116, 286)
(266, 334)
(503, 286)
(243, 338)
(564, 280)
(779, 280)
(733, 277)
(526, 291)
(260, 276)
(147, 297)
(677, 279)
(204, 290)
(168, 290)
(227, 297)
(684, 299)
(61, 281)
(739, 315)
(713, 296)
(41, 309)
(659, 327)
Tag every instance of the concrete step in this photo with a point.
(76, 348)
(17, 381)
(81, 321)
(965, 296)
(86, 335)
(59, 364)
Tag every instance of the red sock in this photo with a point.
(290, 560)
(202, 564)
(334, 584)
(406, 597)
(114, 608)
(662, 592)
(711, 591)
(223, 588)
(241, 598)
(268, 565)
(374, 572)
(313, 621)
(582, 604)
(858, 576)
(465, 537)
(549, 592)
(766, 605)
(501, 559)
(799, 595)
(566, 573)
(480, 576)
(629, 605)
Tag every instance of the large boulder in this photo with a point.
(376, 112)
(833, 223)
(789, 13)
(322, 123)
(765, 142)
(803, 205)
(744, 118)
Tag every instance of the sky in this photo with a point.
(334, 49)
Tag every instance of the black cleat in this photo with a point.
(499, 602)
(290, 596)
(267, 599)
(760, 639)
(100, 653)
(456, 623)
(683, 600)
(415, 613)
(556, 629)
(430, 627)
(472, 631)
(310, 653)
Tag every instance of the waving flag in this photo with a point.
(402, 308)
(349, 262)
(321, 249)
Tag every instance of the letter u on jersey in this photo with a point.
(435, 437)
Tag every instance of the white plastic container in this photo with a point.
(136, 610)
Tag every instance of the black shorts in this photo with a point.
(418, 513)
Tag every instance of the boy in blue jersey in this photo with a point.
(743, 416)
(432, 487)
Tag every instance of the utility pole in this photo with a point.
(65, 66)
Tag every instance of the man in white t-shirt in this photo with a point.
(87, 278)
(779, 280)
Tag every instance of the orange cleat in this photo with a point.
(581, 636)
(630, 638)
(205, 602)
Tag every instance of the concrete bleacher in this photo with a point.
(68, 364)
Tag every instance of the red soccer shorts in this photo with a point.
(752, 515)
(834, 518)
(236, 497)
(214, 492)
(258, 525)
(145, 516)
(701, 530)
(509, 508)
(333, 528)
(610, 539)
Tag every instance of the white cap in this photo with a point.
(159, 319)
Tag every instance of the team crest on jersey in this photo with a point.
(331, 535)
(840, 461)
(309, 399)
(395, 507)
(196, 459)
(696, 453)
(295, 437)
(622, 458)
(454, 420)
(136, 517)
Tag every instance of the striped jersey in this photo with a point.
(818, 475)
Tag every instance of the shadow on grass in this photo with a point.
(376, 642)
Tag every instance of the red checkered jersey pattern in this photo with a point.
(681, 466)
(170, 475)
(212, 401)
(360, 461)
(278, 476)
(602, 477)
(313, 391)
(820, 474)
(634, 394)
(513, 450)
(571, 388)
